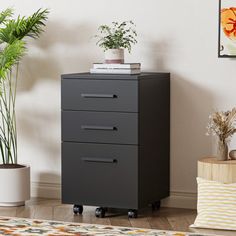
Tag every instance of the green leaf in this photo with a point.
(5, 15)
(119, 35)
(22, 27)
(10, 56)
(13, 47)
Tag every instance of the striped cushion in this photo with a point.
(216, 205)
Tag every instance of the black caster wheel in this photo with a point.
(78, 209)
(132, 213)
(100, 212)
(156, 205)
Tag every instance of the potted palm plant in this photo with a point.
(115, 38)
(14, 178)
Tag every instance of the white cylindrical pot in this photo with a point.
(14, 186)
(114, 56)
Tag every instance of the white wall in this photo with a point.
(174, 36)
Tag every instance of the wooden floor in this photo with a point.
(164, 219)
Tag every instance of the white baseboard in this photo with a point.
(46, 190)
(176, 199)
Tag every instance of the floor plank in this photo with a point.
(43, 212)
(163, 219)
(179, 223)
(25, 212)
(120, 220)
(159, 223)
(8, 211)
(63, 213)
(140, 222)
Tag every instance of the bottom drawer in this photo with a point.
(100, 175)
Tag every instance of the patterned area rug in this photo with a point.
(24, 227)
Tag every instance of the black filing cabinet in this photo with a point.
(115, 140)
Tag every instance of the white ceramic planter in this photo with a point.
(114, 56)
(14, 186)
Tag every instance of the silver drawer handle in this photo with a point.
(98, 160)
(95, 127)
(93, 95)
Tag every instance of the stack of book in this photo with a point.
(125, 68)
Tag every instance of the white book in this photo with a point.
(115, 71)
(117, 66)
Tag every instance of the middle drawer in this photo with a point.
(100, 127)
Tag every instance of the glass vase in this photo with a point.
(222, 151)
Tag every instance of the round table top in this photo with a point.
(213, 160)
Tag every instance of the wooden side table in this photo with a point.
(222, 171)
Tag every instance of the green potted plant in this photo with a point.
(14, 178)
(115, 38)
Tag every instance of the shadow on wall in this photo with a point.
(38, 101)
(191, 105)
(158, 51)
(54, 51)
(190, 108)
(157, 55)
(40, 129)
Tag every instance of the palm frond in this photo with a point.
(7, 33)
(10, 56)
(22, 27)
(12, 34)
(6, 14)
(35, 23)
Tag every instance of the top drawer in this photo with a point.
(99, 95)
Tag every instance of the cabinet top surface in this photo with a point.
(144, 75)
(213, 160)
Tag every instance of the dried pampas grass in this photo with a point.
(222, 124)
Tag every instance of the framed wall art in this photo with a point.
(227, 28)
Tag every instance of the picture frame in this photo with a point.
(227, 28)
